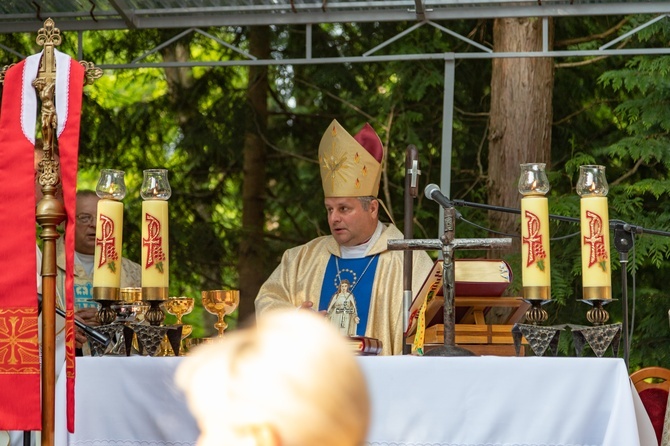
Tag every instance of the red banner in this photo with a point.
(19, 352)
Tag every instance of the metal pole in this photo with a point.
(411, 191)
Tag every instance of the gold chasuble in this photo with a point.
(299, 278)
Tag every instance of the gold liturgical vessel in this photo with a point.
(220, 303)
(180, 307)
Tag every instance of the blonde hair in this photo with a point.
(293, 377)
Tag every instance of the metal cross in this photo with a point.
(448, 244)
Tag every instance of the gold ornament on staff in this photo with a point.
(49, 211)
(592, 187)
(221, 303)
(536, 267)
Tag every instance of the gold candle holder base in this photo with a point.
(597, 315)
(154, 293)
(597, 293)
(154, 315)
(106, 314)
(536, 314)
(106, 296)
(131, 294)
(531, 293)
(155, 296)
(106, 293)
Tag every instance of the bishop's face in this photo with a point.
(349, 222)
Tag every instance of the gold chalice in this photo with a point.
(220, 303)
(180, 306)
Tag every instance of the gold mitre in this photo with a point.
(351, 166)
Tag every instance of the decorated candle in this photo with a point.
(108, 241)
(535, 263)
(155, 267)
(594, 218)
(111, 189)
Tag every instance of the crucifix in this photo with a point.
(447, 244)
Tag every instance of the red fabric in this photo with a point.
(367, 137)
(655, 401)
(19, 355)
(19, 351)
(68, 143)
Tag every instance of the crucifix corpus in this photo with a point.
(448, 244)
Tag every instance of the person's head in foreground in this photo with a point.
(291, 380)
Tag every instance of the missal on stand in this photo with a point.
(479, 286)
(473, 277)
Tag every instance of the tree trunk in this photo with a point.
(520, 123)
(521, 115)
(253, 188)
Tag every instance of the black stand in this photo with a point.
(411, 191)
(623, 242)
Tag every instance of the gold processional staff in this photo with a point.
(50, 211)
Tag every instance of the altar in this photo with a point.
(488, 400)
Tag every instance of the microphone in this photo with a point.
(93, 334)
(432, 192)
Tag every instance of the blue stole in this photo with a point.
(353, 271)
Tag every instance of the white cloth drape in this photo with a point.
(492, 401)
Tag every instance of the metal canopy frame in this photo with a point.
(86, 15)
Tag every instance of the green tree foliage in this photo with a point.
(610, 111)
(616, 115)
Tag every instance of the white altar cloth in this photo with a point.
(416, 401)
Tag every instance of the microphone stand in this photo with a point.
(623, 243)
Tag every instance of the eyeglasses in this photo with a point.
(84, 219)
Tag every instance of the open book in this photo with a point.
(472, 277)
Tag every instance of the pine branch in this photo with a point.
(582, 110)
(592, 37)
(628, 174)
